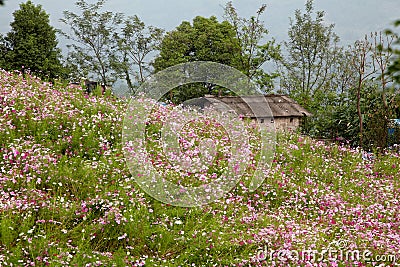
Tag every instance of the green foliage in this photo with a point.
(136, 43)
(237, 42)
(31, 43)
(311, 50)
(107, 46)
(3, 51)
(347, 89)
(316, 72)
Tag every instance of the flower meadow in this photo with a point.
(67, 197)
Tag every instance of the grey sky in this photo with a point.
(353, 18)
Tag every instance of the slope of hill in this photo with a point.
(67, 198)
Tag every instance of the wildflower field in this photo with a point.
(68, 199)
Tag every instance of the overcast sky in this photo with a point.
(352, 18)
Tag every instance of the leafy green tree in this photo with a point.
(311, 51)
(376, 119)
(136, 44)
(394, 68)
(382, 55)
(32, 43)
(255, 51)
(359, 109)
(393, 73)
(94, 47)
(205, 39)
(367, 103)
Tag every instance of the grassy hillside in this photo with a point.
(67, 198)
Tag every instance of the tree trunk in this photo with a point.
(360, 118)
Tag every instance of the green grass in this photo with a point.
(70, 200)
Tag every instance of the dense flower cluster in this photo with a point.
(68, 199)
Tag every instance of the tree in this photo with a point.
(136, 44)
(367, 94)
(32, 43)
(361, 62)
(311, 51)
(3, 51)
(205, 39)
(94, 47)
(254, 50)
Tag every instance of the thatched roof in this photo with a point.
(280, 105)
